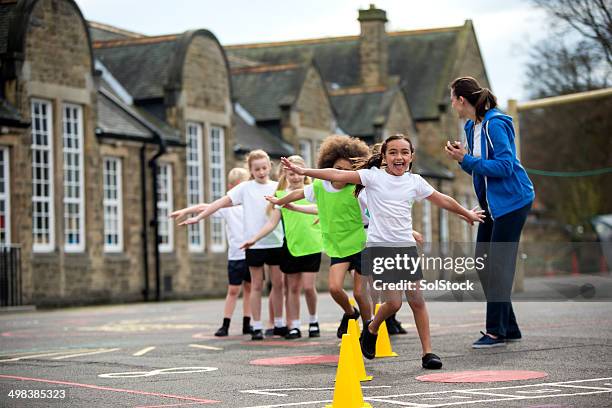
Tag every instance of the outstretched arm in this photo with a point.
(450, 204)
(265, 230)
(178, 215)
(344, 176)
(289, 198)
(306, 209)
(222, 202)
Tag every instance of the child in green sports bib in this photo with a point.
(301, 255)
(341, 217)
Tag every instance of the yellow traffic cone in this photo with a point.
(359, 366)
(383, 343)
(347, 392)
(354, 304)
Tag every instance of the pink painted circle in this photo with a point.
(482, 376)
(293, 360)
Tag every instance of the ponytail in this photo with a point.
(482, 99)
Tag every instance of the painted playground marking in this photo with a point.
(60, 355)
(461, 396)
(482, 376)
(294, 360)
(163, 371)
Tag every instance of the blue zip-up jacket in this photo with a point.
(498, 176)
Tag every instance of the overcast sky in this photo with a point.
(504, 28)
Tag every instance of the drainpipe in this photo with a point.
(144, 232)
(154, 222)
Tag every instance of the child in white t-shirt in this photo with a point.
(268, 250)
(392, 190)
(237, 270)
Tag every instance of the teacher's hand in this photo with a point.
(455, 151)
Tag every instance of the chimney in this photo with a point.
(373, 50)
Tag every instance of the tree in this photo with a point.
(578, 54)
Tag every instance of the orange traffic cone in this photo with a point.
(383, 343)
(359, 366)
(347, 392)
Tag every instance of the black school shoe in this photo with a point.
(257, 335)
(431, 361)
(247, 329)
(368, 342)
(293, 334)
(280, 331)
(394, 326)
(222, 332)
(343, 328)
(313, 330)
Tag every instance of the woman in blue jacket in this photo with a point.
(504, 191)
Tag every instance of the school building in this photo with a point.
(103, 132)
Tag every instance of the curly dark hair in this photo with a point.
(336, 147)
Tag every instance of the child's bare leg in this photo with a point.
(230, 300)
(246, 299)
(310, 291)
(256, 289)
(421, 317)
(276, 295)
(336, 286)
(294, 282)
(361, 297)
(393, 303)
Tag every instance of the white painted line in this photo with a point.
(143, 351)
(443, 398)
(205, 347)
(585, 387)
(291, 404)
(86, 354)
(519, 398)
(274, 391)
(31, 356)
(490, 394)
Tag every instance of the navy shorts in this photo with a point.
(268, 256)
(238, 272)
(353, 260)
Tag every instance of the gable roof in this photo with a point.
(116, 118)
(140, 65)
(359, 109)
(251, 137)
(105, 32)
(261, 90)
(421, 58)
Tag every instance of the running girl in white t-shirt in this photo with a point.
(342, 224)
(391, 192)
(269, 249)
(302, 251)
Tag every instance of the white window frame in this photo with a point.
(80, 200)
(113, 202)
(427, 225)
(306, 151)
(218, 243)
(197, 164)
(49, 199)
(444, 231)
(164, 207)
(6, 195)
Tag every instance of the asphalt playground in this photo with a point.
(164, 355)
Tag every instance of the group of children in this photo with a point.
(359, 199)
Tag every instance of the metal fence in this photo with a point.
(10, 276)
